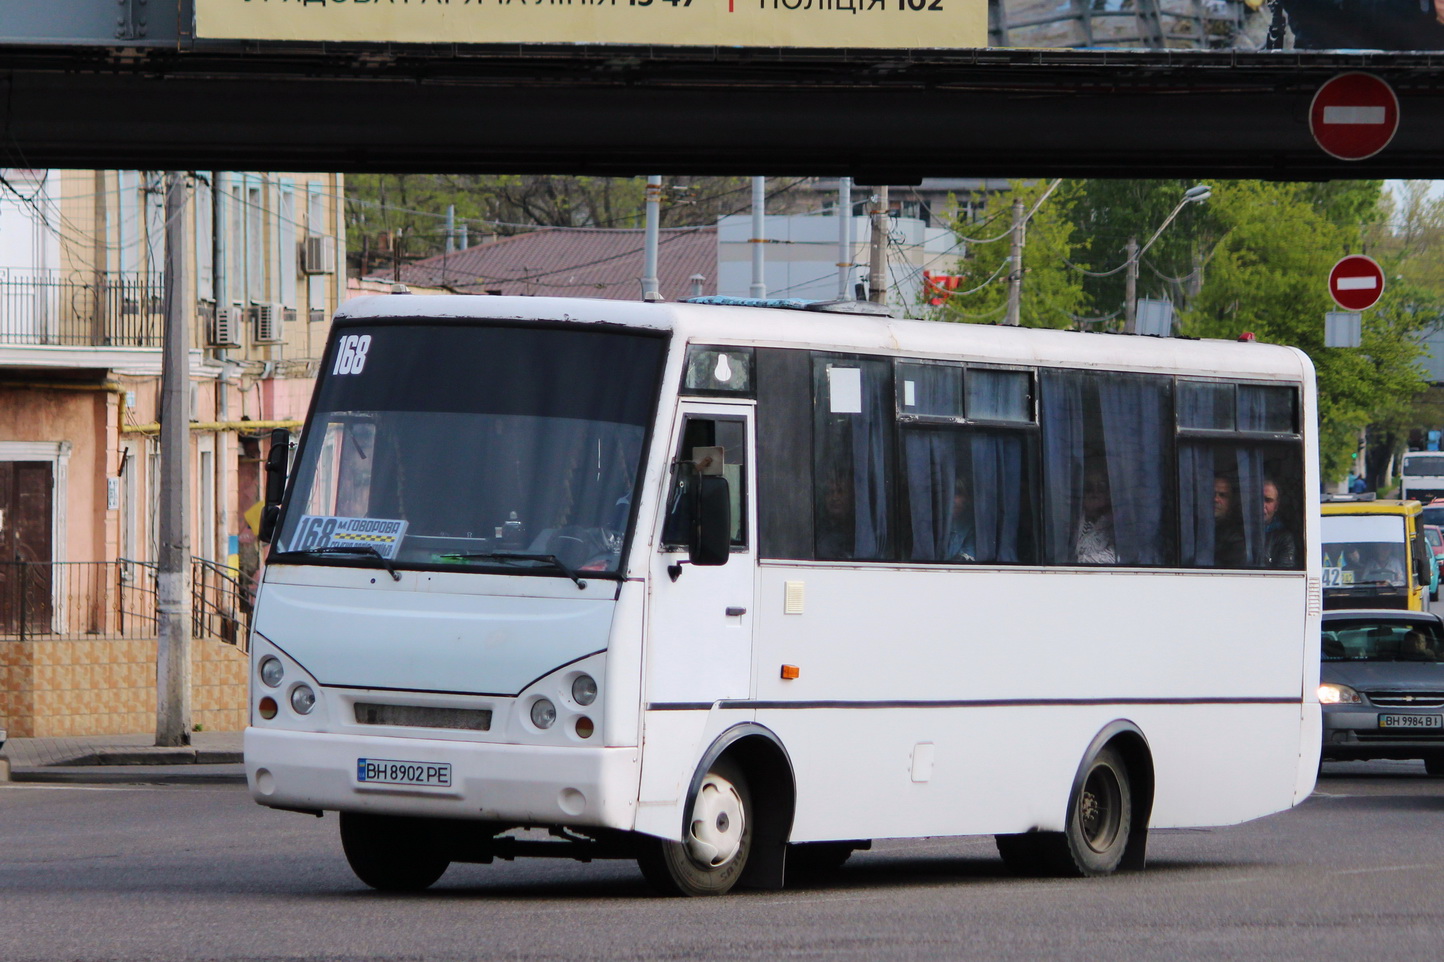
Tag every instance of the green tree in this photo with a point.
(1109, 213)
(1266, 274)
(1052, 293)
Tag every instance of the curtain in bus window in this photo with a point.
(1195, 505)
(1267, 408)
(939, 532)
(1062, 415)
(933, 462)
(966, 495)
(999, 491)
(853, 413)
(1134, 415)
(1207, 405)
(1250, 463)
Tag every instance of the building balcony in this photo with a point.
(77, 309)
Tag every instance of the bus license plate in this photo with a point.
(1411, 721)
(389, 771)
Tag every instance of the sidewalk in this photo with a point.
(213, 757)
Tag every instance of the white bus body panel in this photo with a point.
(431, 631)
(513, 783)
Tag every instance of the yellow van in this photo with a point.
(1375, 555)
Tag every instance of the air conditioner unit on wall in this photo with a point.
(318, 255)
(225, 327)
(266, 321)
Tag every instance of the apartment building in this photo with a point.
(82, 277)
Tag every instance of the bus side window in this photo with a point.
(852, 452)
(1107, 468)
(699, 434)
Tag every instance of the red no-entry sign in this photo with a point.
(1354, 116)
(1356, 283)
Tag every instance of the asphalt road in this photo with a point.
(194, 872)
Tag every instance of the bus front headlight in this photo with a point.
(584, 690)
(543, 713)
(303, 699)
(271, 671)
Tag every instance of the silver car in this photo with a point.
(1382, 686)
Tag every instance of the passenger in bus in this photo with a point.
(1229, 548)
(961, 540)
(1281, 550)
(1094, 545)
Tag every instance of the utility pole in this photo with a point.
(1015, 273)
(652, 238)
(844, 239)
(173, 597)
(758, 287)
(877, 263)
(1130, 289)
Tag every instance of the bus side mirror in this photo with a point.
(275, 482)
(1421, 572)
(711, 540)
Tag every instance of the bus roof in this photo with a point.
(1386, 506)
(821, 330)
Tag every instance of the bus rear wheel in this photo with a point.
(389, 853)
(1100, 818)
(718, 838)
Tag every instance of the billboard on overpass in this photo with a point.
(711, 23)
(1354, 25)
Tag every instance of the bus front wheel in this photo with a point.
(389, 853)
(718, 837)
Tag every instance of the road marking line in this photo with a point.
(1385, 868)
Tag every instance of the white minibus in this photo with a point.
(733, 590)
(1423, 476)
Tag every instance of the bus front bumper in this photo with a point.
(516, 784)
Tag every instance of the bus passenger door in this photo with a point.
(700, 629)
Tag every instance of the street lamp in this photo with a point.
(1194, 195)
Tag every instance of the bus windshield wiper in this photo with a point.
(365, 550)
(516, 555)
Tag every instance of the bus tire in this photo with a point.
(389, 853)
(717, 840)
(1100, 819)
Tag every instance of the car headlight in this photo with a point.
(1332, 694)
(584, 690)
(272, 671)
(303, 699)
(543, 713)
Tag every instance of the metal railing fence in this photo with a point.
(115, 599)
(82, 310)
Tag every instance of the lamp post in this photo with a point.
(1194, 195)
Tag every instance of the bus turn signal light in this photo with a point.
(790, 671)
(267, 707)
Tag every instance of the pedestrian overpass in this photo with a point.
(101, 84)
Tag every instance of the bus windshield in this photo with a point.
(481, 447)
(1365, 549)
